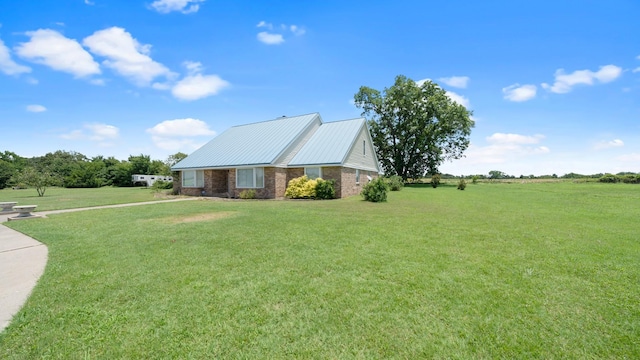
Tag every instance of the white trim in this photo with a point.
(255, 178)
(357, 176)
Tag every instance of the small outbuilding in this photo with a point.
(264, 156)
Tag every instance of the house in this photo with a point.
(264, 156)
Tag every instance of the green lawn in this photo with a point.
(60, 198)
(496, 271)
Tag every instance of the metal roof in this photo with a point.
(330, 144)
(252, 144)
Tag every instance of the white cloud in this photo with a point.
(504, 148)
(198, 86)
(181, 128)
(516, 139)
(421, 82)
(275, 38)
(7, 65)
(608, 144)
(633, 158)
(179, 133)
(183, 6)
(50, 48)
(564, 83)
(269, 38)
(88, 2)
(636, 70)
(126, 55)
(265, 24)
(193, 67)
(519, 93)
(103, 134)
(458, 98)
(296, 30)
(455, 81)
(36, 108)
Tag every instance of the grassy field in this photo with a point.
(60, 198)
(495, 271)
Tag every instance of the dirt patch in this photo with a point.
(200, 217)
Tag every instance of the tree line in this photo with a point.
(71, 169)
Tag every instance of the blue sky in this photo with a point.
(554, 85)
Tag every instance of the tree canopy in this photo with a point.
(415, 128)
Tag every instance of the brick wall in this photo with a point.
(349, 185)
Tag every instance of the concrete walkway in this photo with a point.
(23, 259)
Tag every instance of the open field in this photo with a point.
(546, 270)
(56, 198)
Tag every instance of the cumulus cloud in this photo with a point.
(458, 98)
(269, 38)
(275, 37)
(7, 65)
(179, 134)
(505, 147)
(50, 48)
(183, 6)
(608, 144)
(36, 108)
(103, 134)
(195, 85)
(564, 83)
(126, 56)
(455, 81)
(519, 93)
(198, 86)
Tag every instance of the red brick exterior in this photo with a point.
(222, 183)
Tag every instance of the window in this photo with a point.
(357, 176)
(313, 172)
(193, 178)
(364, 148)
(250, 178)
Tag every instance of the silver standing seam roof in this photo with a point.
(330, 144)
(252, 144)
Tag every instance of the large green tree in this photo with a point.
(415, 128)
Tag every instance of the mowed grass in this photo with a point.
(56, 198)
(495, 271)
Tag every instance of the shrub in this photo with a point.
(247, 194)
(375, 190)
(474, 179)
(609, 178)
(395, 183)
(162, 185)
(301, 188)
(325, 189)
(462, 184)
(631, 179)
(435, 180)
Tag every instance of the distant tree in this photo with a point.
(158, 167)
(496, 174)
(32, 177)
(6, 173)
(121, 174)
(175, 158)
(415, 128)
(140, 164)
